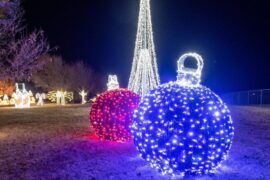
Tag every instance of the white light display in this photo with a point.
(32, 98)
(112, 83)
(5, 100)
(83, 95)
(183, 127)
(144, 74)
(12, 101)
(40, 98)
(21, 96)
(189, 76)
(63, 98)
(60, 97)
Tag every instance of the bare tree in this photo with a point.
(82, 77)
(52, 76)
(19, 51)
(8, 8)
(58, 75)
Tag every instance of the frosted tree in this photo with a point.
(144, 74)
(19, 51)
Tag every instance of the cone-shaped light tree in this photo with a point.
(144, 74)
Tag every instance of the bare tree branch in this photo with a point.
(19, 51)
(60, 76)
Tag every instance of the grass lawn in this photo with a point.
(54, 143)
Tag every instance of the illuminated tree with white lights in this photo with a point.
(144, 74)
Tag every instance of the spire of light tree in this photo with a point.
(144, 74)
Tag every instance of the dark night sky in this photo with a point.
(232, 36)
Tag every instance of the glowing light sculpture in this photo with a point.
(40, 97)
(183, 127)
(83, 95)
(12, 101)
(60, 97)
(144, 74)
(111, 115)
(63, 98)
(112, 82)
(21, 96)
(5, 100)
(32, 98)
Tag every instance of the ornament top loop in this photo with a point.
(189, 76)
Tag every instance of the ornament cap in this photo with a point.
(189, 76)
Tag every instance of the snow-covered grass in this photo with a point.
(55, 143)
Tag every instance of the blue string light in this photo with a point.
(183, 127)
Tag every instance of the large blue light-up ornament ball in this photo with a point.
(183, 127)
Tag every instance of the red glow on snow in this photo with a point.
(91, 136)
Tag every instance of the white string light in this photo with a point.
(83, 95)
(183, 127)
(144, 74)
(60, 97)
(40, 97)
(32, 98)
(59, 94)
(112, 82)
(21, 96)
(189, 76)
(5, 100)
